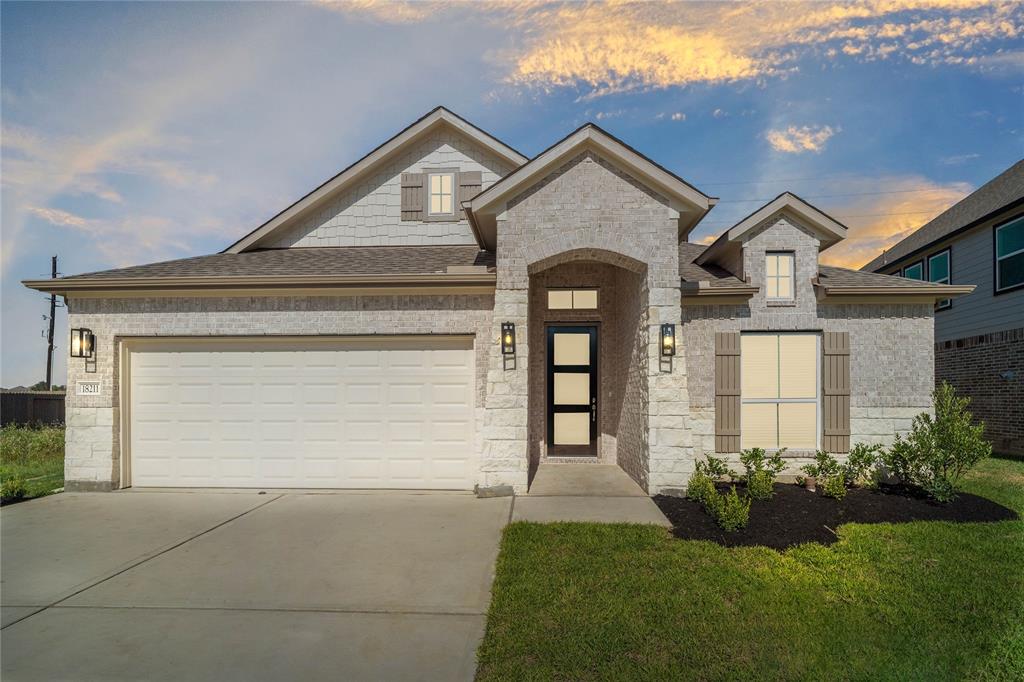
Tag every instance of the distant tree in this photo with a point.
(41, 386)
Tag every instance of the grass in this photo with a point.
(34, 456)
(917, 601)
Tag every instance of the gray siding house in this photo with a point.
(447, 313)
(979, 338)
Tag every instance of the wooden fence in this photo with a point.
(32, 407)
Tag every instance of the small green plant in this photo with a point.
(701, 487)
(12, 489)
(939, 450)
(761, 471)
(716, 469)
(731, 511)
(862, 465)
(828, 474)
(834, 486)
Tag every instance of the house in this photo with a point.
(448, 313)
(979, 338)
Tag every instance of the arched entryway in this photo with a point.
(588, 328)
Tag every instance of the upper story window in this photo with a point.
(915, 271)
(779, 275)
(572, 299)
(939, 271)
(1010, 255)
(441, 194)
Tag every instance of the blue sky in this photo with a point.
(138, 132)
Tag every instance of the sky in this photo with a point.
(140, 132)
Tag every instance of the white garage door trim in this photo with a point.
(132, 346)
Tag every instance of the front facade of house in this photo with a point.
(979, 338)
(447, 314)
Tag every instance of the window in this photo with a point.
(915, 271)
(779, 276)
(440, 193)
(1010, 255)
(779, 391)
(572, 299)
(939, 272)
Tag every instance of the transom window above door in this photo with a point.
(779, 391)
(779, 276)
(441, 193)
(572, 299)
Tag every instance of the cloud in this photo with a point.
(620, 46)
(877, 221)
(794, 140)
(679, 116)
(958, 159)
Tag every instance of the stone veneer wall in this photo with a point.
(989, 369)
(586, 210)
(370, 214)
(92, 450)
(891, 345)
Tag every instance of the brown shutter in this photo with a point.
(412, 196)
(727, 392)
(470, 183)
(835, 385)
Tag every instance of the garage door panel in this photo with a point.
(309, 413)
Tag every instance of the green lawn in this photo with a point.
(921, 601)
(34, 456)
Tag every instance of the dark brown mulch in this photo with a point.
(795, 515)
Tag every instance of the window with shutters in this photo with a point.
(779, 276)
(441, 194)
(779, 391)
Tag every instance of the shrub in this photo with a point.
(829, 474)
(937, 452)
(862, 465)
(761, 471)
(715, 468)
(730, 511)
(13, 488)
(701, 487)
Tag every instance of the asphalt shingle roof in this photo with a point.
(327, 261)
(1000, 191)
(715, 276)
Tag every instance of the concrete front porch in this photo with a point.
(601, 493)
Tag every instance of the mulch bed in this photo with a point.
(795, 515)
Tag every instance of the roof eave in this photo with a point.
(930, 293)
(66, 286)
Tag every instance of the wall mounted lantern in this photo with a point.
(508, 338)
(668, 340)
(82, 343)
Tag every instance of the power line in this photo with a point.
(829, 196)
(848, 215)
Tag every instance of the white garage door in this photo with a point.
(317, 413)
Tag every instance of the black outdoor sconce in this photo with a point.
(668, 340)
(508, 338)
(82, 343)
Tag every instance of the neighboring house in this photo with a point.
(979, 339)
(447, 313)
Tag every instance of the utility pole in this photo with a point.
(49, 336)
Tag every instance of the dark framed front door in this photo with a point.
(572, 390)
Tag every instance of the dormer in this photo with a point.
(775, 249)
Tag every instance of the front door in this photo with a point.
(572, 391)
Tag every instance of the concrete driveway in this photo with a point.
(222, 585)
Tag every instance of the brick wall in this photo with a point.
(92, 455)
(891, 345)
(989, 369)
(370, 214)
